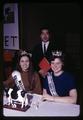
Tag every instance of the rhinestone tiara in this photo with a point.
(57, 53)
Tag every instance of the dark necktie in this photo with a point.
(44, 49)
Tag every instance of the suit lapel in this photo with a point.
(41, 50)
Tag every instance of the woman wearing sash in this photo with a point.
(23, 77)
(59, 85)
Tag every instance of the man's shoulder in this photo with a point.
(56, 46)
(53, 42)
(37, 46)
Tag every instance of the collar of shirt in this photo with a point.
(46, 44)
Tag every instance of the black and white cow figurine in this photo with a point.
(16, 96)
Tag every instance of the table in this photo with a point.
(45, 108)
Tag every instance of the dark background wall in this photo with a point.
(62, 18)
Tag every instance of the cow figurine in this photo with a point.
(16, 96)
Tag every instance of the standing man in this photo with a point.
(43, 49)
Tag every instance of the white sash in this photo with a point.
(18, 80)
(51, 84)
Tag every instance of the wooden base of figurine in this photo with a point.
(18, 107)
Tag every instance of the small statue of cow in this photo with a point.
(16, 96)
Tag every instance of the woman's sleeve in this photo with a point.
(71, 84)
(37, 87)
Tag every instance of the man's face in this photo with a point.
(45, 35)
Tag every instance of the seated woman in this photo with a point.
(58, 85)
(24, 74)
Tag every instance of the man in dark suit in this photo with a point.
(43, 49)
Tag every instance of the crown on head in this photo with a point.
(25, 53)
(57, 53)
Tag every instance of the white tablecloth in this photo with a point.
(45, 109)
